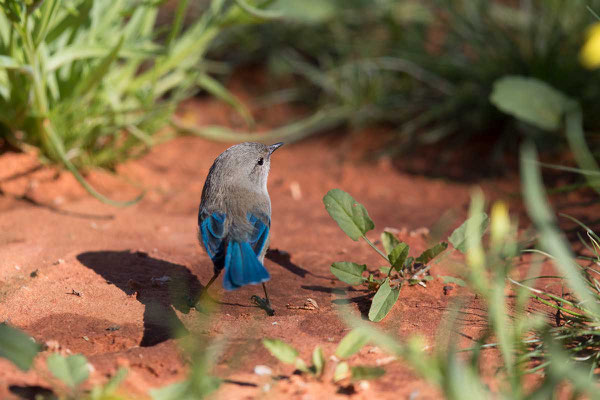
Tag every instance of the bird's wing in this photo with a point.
(260, 234)
(212, 229)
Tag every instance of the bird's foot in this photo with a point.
(264, 304)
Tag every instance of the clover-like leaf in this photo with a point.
(362, 372)
(390, 241)
(383, 301)
(349, 272)
(281, 350)
(318, 359)
(530, 100)
(351, 216)
(352, 343)
(459, 236)
(432, 253)
(342, 371)
(72, 370)
(17, 347)
(398, 256)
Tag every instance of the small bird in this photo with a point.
(234, 218)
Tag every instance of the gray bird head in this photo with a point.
(247, 164)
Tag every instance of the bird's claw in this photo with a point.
(264, 304)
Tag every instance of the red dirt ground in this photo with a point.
(109, 256)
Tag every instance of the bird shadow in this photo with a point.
(161, 286)
(283, 259)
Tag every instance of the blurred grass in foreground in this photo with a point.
(90, 83)
(426, 68)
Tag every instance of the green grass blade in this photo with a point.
(258, 12)
(94, 78)
(215, 88)
(177, 22)
(10, 63)
(48, 10)
(581, 152)
(550, 238)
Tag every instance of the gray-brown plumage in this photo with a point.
(234, 218)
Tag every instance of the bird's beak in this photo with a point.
(274, 147)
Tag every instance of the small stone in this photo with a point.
(262, 370)
(312, 302)
(384, 361)
(295, 190)
(364, 385)
(52, 345)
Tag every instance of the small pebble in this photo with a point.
(384, 361)
(262, 370)
(295, 190)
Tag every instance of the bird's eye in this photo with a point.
(261, 161)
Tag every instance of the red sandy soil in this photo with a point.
(55, 240)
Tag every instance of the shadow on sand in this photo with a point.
(137, 273)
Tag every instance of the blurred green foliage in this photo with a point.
(92, 82)
(425, 67)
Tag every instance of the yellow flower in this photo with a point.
(590, 53)
(500, 226)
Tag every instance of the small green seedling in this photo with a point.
(354, 220)
(74, 370)
(349, 345)
(17, 347)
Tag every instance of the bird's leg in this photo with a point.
(266, 295)
(204, 292)
(215, 276)
(265, 304)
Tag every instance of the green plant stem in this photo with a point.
(381, 253)
(177, 22)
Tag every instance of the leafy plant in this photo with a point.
(90, 83)
(200, 381)
(354, 220)
(74, 370)
(348, 346)
(17, 347)
(564, 355)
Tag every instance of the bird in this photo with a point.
(234, 216)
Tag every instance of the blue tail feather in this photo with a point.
(242, 266)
